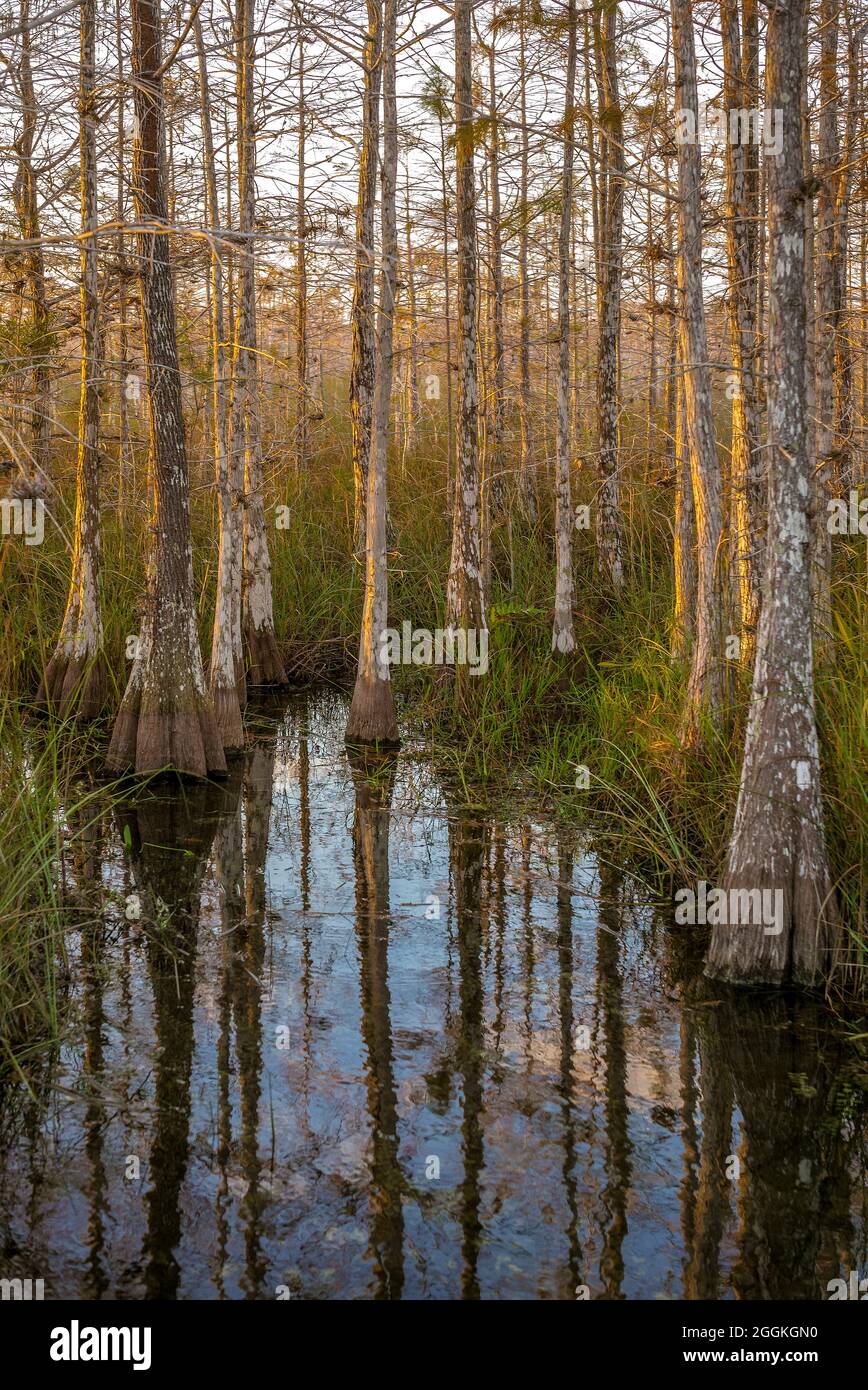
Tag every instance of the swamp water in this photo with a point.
(330, 1034)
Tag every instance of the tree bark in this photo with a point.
(828, 284)
(75, 678)
(363, 366)
(227, 679)
(25, 196)
(497, 366)
(778, 840)
(527, 489)
(741, 211)
(372, 712)
(301, 392)
(563, 638)
(166, 718)
(610, 540)
(465, 597)
(705, 687)
(264, 664)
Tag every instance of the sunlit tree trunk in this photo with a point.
(740, 212)
(264, 664)
(74, 681)
(705, 688)
(166, 718)
(372, 712)
(778, 840)
(465, 599)
(684, 616)
(363, 366)
(227, 680)
(610, 539)
(25, 196)
(563, 639)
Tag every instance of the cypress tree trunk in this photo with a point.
(777, 839)
(527, 491)
(227, 680)
(684, 617)
(563, 639)
(363, 367)
(301, 401)
(465, 598)
(74, 680)
(828, 253)
(25, 196)
(705, 688)
(166, 718)
(610, 539)
(411, 387)
(497, 353)
(740, 212)
(264, 664)
(372, 713)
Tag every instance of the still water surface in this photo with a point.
(333, 1035)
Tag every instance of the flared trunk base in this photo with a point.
(372, 721)
(74, 687)
(264, 663)
(227, 716)
(808, 946)
(147, 741)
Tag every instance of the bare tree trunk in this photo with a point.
(778, 840)
(447, 298)
(34, 469)
(610, 538)
(843, 353)
(652, 396)
(684, 617)
(227, 680)
(705, 687)
(740, 212)
(372, 713)
(465, 597)
(527, 487)
(264, 664)
(301, 402)
(411, 387)
(563, 639)
(125, 454)
(166, 719)
(827, 271)
(497, 353)
(363, 367)
(74, 680)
